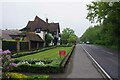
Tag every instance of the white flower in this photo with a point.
(24, 62)
(40, 63)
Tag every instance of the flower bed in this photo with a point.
(17, 76)
(38, 66)
(44, 65)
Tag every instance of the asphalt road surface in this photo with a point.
(79, 66)
(107, 58)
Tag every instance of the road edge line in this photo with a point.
(98, 65)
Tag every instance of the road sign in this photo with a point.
(62, 53)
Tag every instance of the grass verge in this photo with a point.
(52, 53)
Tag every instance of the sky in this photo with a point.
(15, 14)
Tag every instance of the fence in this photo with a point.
(12, 46)
(23, 46)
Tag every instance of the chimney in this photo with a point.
(46, 20)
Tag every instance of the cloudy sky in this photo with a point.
(72, 13)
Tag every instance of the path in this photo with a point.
(79, 66)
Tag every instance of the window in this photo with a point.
(38, 30)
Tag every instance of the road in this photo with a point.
(79, 66)
(107, 58)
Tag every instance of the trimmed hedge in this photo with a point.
(64, 45)
(32, 61)
(16, 55)
(37, 69)
(51, 66)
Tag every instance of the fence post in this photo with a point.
(29, 45)
(18, 46)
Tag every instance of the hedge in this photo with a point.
(37, 69)
(32, 61)
(51, 66)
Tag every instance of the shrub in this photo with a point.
(48, 39)
(33, 61)
(66, 45)
(14, 75)
(47, 65)
(43, 77)
(37, 68)
(7, 62)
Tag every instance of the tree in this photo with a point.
(67, 35)
(107, 14)
(72, 39)
(91, 34)
(98, 11)
(48, 39)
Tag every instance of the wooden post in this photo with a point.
(37, 45)
(18, 46)
(29, 45)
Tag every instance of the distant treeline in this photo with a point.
(106, 33)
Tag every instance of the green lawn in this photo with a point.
(52, 53)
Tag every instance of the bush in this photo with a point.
(38, 66)
(43, 77)
(48, 65)
(33, 61)
(48, 39)
(16, 76)
(66, 45)
(7, 62)
(37, 69)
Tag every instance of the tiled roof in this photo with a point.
(31, 36)
(6, 34)
(39, 23)
(53, 27)
(34, 37)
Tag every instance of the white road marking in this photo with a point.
(107, 52)
(109, 77)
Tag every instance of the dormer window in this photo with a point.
(38, 30)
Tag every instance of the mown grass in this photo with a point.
(48, 54)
